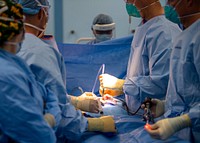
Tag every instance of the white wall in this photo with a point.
(79, 14)
(50, 27)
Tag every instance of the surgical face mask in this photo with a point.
(132, 10)
(184, 16)
(103, 37)
(171, 14)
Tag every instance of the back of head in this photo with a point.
(33, 6)
(11, 20)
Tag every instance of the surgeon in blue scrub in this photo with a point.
(148, 66)
(103, 28)
(48, 66)
(181, 108)
(22, 98)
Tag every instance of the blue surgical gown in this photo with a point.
(183, 94)
(21, 104)
(48, 66)
(148, 67)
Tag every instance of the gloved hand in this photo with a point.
(110, 85)
(108, 99)
(163, 129)
(158, 107)
(50, 119)
(102, 124)
(87, 102)
(88, 94)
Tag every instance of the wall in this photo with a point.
(77, 16)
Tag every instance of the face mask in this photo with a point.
(184, 16)
(103, 37)
(171, 14)
(132, 10)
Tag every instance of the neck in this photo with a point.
(188, 21)
(153, 11)
(31, 30)
(9, 48)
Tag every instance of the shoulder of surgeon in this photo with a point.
(33, 43)
(13, 68)
(162, 25)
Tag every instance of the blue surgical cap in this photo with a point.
(32, 6)
(102, 19)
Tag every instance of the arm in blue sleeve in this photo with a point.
(21, 114)
(73, 124)
(194, 115)
(194, 112)
(51, 105)
(49, 72)
(155, 84)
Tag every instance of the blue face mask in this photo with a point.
(132, 10)
(103, 37)
(171, 14)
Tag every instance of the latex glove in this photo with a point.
(50, 119)
(88, 94)
(163, 129)
(87, 103)
(158, 107)
(108, 99)
(102, 124)
(110, 85)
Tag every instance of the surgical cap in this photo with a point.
(103, 22)
(11, 20)
(33, 6)
(102, 19)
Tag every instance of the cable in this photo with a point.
(77, 89)
(127, 109)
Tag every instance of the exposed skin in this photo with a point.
(17, 39)
(149, 12)
(186, 7)
(39, 20)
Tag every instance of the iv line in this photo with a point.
(102, 70)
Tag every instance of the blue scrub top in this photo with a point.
(183, 96)
(21, 103)
(48, 66)
(148, 67)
